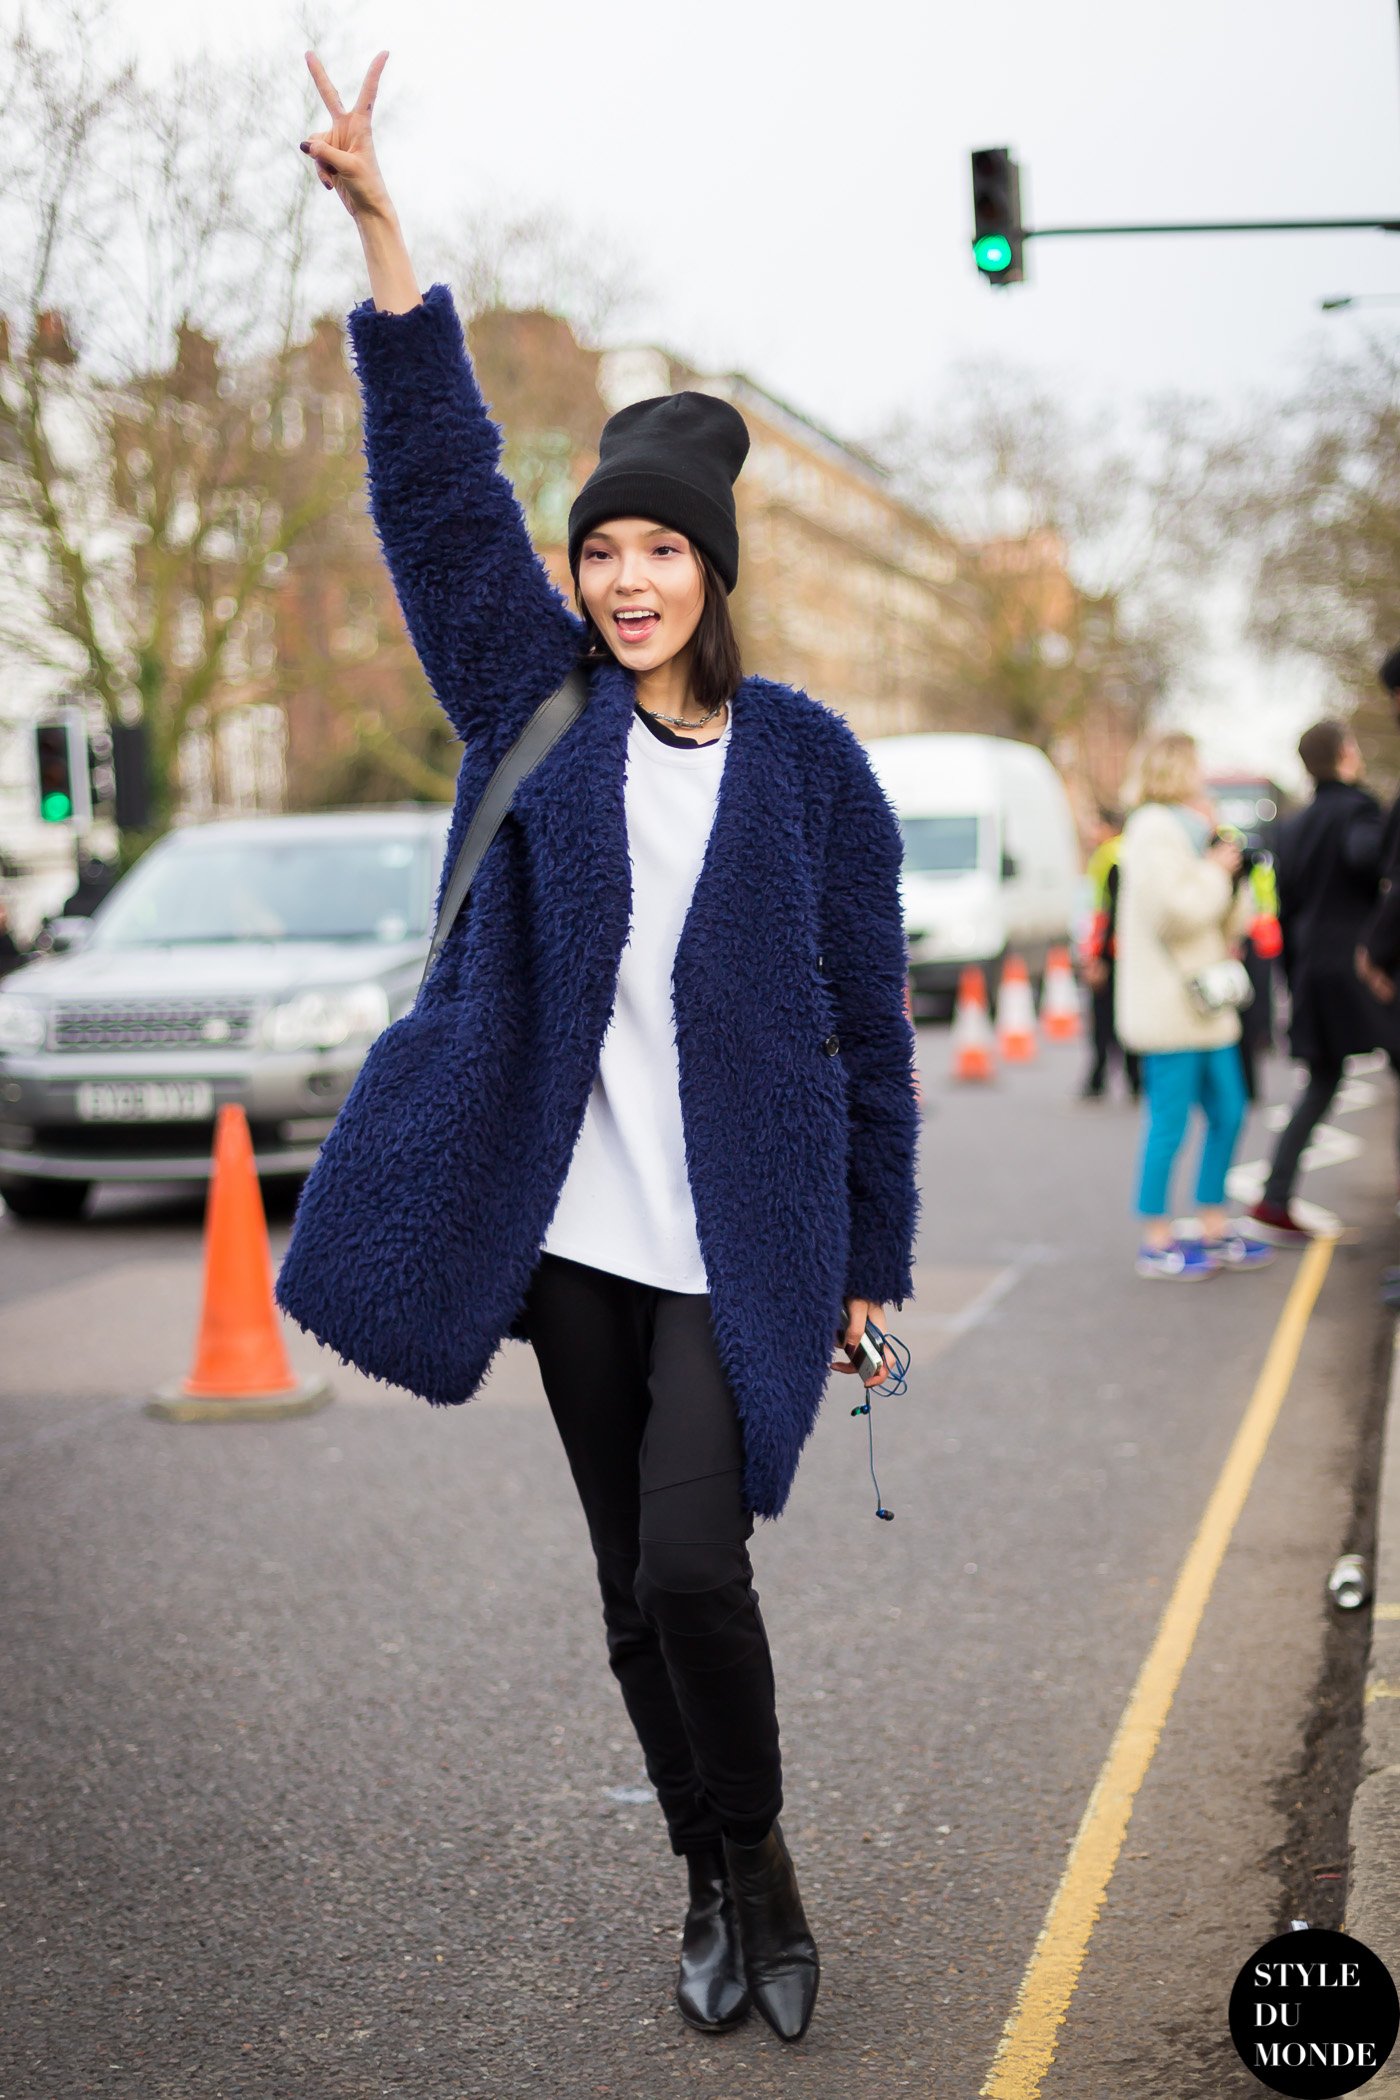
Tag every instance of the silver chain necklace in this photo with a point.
(687, 721)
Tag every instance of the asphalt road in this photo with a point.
(315, 1777)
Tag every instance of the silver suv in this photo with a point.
(253, 960)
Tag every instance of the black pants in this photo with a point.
(1324, 1078)
(1106, 1042)
(649, 1427)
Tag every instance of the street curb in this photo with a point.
(1373, 1885)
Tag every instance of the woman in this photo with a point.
(1179, 908)
(653, 1111)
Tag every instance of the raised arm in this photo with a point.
(492, 633)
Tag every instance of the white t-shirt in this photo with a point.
(626, 1204)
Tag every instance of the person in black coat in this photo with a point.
(1328, 860)
(1378, 955)
(96, 880)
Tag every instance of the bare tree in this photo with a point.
(521, 259)
(155, 277)
(180, 472)
(1078, 542)
(1311, 499)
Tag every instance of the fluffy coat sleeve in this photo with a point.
(491, 631)
(866, 963)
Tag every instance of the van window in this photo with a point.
(939, 845)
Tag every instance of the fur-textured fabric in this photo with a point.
(422, 1221)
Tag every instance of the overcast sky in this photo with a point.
(792, 178)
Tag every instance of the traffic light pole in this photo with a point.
(999, 237)
(1065, 233)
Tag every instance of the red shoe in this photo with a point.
(1279, 1224)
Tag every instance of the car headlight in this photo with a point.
(23, 1025)
(327, 1020)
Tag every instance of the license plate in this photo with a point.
(146, 1101)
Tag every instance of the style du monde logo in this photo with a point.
(1314, 2014)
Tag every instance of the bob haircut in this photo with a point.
(716, 666)
(1167, 769)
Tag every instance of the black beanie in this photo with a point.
(675, 459)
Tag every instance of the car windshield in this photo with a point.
(939, 845)
(291, 889)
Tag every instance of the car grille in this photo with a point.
(153, 1024)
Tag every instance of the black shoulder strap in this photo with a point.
(539, 736)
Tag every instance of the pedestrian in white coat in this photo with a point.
(1179, 909)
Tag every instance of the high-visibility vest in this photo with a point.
(1101, 860)
(1266, 932)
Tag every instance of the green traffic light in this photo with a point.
(992, 252)
(56, 808)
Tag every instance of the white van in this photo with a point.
(991, 856)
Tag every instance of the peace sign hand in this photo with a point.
(344, 154)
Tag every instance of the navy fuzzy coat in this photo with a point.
(423, 1218)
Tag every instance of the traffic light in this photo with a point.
(996, 215)
(61, 768)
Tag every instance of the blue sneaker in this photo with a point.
(1183, 1261)
(1237, 1251)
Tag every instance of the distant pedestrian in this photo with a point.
(1180, 907)
(1263, 947)
(96, 880)
(1328, 859)
(1100, 962)
(1378, 953)
(11, 953)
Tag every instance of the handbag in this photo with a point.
(1220, 986)
(539, 736)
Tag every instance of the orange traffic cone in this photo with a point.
(973, 1056)
(1016, 1013)
(1059, 1009)
(240, 1362)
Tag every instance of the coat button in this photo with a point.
(832, 1045)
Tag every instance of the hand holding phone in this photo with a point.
(864, 1358)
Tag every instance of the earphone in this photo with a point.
(894, 1384)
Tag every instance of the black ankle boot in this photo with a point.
(780, 1955)
(710, 1990)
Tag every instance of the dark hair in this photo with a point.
(1389, 673)
(1321, 747)
(716, 666)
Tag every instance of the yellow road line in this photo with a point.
(1031, 2034)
